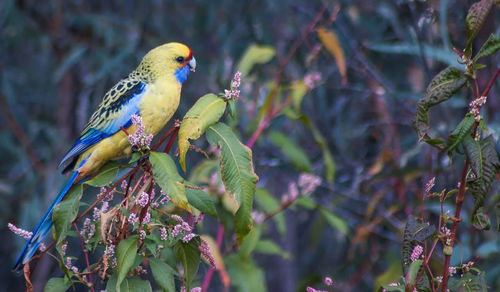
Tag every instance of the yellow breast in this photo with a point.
(157, 106)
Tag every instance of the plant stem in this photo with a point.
(458, 208)
(86, 256)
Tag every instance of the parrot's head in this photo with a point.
(169, 60)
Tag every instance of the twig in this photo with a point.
(270, 114)
(21, 136)
(86, 255)
(131, 172)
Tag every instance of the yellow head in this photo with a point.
(167, 61)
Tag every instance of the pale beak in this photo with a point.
(192, 64)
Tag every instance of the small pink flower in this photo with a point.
(18, 231)
(205, 252)
(164, 233)
(196, 289)
(132, 218)
(328, 281)
(188, 237)
(143, 199)
(416, 253)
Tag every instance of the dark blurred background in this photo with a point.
(58, 58)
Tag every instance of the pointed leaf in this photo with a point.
(125, 256)
(490, 47)
(474, 21)
(485, 166)
(246, 276)
(188, 255)
(413, 270)
(65, 212)
(205, 112)
(462, 130)
(298, 158)
(334, 220)
(442, 87)
(105, 176)
(271, 248)
(270, 205)
(469, 282)
(163, 274)
(129, 284)
(168, 178)
(332, 44)
(320, 139)
(201, 201)
(57, 285)
(255, 54)
(237, 174)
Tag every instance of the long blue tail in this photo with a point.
(43, 227)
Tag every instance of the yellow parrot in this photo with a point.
(152, 91)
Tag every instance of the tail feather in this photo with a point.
(43, 227)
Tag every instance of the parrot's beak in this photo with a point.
(192, 64)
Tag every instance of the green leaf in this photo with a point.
(485, 165)
(327, 155)
(205, 112)
(462, 130)
(57, 285)
(299, 90)
(474, 21)
(469, 282)
(129, 284)
(480, 220)
(189, 257)
(270, 205)
(250, 242)
(245, 275)
(163, 274)
(413, 270)
(65, 212)
(444, 85)
(334, 220)
(237, 172)
(168, 178)
(391, 275)
(298, 158)
(446, 56)
(255, 54)
(400, 288)
(490, 47)
(201, 201)
(125, 256)
(306, 202)
(105, 176)
(271, 248)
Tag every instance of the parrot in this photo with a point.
(152, 91)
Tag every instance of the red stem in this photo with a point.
(460, 200)
(171, 141)
(492, 81)
(86, 256)
(210, 273)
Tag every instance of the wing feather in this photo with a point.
(114, 112)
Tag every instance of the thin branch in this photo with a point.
(86, 255)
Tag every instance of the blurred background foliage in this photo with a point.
(58, 58)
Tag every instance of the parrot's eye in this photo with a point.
(180, 59)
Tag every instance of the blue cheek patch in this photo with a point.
(181, 74)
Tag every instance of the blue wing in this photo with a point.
(115, 111)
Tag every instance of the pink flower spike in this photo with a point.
(416, 253)
(18, 231)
